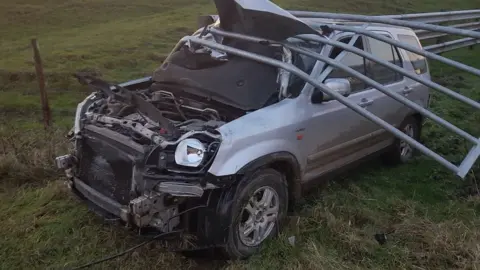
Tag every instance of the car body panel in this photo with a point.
(340, 129)
(265, 131)
(260, 18)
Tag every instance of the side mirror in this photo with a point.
(341, 86)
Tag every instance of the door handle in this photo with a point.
(365, 102)
(407, 90)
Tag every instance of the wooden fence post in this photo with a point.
(41, 83)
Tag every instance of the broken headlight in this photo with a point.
(190, 152)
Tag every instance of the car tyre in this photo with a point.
(401, 152)
(258, 210)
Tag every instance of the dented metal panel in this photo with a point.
(259, 18)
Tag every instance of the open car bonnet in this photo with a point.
(235, 81)
(259, 18)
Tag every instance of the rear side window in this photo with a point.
(418, 61)
(386, 52)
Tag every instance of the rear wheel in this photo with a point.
(259, 207)
(401, 151)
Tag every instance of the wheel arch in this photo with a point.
(283, 162)
(418, 116)
(217, 215)
(420, 120)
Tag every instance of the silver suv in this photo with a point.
(207, 145)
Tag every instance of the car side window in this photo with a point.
(353, 61)
(386, 52)
(418, 61)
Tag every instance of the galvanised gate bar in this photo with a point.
(465, 166)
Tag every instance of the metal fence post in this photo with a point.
(41, 84)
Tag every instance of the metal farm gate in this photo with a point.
(426, 27)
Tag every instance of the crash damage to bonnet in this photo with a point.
(143, 150)
(233, 80)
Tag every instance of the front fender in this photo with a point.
(231, 159)
(269, 130)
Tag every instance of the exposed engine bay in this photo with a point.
(144, 151)
(156, 116)
(144, 148)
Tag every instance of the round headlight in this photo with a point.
(190, 152)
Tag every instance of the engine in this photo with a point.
(185, 115)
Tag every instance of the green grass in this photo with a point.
(430, 214)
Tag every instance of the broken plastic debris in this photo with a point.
(291, 240)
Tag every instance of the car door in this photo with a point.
(335, 134)
(417, 64)
(386, 107)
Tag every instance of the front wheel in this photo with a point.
(257, 211)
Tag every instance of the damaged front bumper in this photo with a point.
(141, 212)
(108, 170)
(100, 200)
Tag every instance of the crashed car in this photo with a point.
(212, 145)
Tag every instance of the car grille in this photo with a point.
(106, 169)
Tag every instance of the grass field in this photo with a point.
(431, 216)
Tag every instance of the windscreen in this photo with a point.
(303, 62)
